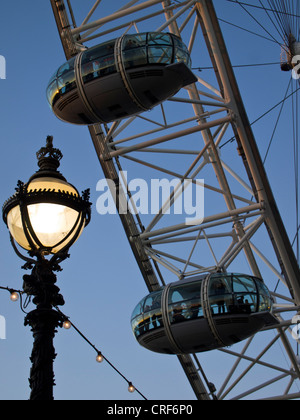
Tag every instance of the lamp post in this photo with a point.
(45, 217)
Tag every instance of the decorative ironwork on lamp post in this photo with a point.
(45, 217)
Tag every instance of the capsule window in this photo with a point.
(147, 315)
(134, 41)
(100, 67)
(159, 39)
(52, 92)
(160, 48)
(181, 53)
(220, 295)
(245, 303)
(178, 43)
(264, 303)
(243, 284)
(98, 62)
(265, 300)
(138, 309)
(220, 285)
(182, 57)
(262, 288)
(233, 295)
(185, 303)
(99, 51)
(137, 319)
(245, 299)
(152, 312)
(160, 55)
(53, 78)
(134, 50)
(135, 57)
(66, 77)
(52, 86)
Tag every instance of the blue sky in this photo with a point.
(101, 282)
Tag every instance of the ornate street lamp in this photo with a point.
(45, 217)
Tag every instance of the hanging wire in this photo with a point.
(100, 357)
(277, 121)
(238, 66)
(257, 22)
(231, 140)
(283, 14)
(286, 14)
(15, 295)
(295, 105)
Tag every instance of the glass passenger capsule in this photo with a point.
(202, 314)
(120, 78)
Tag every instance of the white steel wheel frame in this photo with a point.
(240, 229)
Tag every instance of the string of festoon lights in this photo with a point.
(16, 295)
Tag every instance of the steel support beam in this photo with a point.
(247, 146)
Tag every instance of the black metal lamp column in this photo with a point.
(44, 321)
(45, 217)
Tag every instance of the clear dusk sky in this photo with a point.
(101, 282)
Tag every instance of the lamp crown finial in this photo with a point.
(49, 154)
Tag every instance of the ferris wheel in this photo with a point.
(153, 82)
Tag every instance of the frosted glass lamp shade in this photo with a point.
(46, 215)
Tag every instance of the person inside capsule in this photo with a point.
(219, 296)
(150, 314)
(184, 303)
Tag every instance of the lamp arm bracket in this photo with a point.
(30, 262)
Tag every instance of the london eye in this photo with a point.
(157, 88)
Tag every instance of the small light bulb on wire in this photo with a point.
(67, 325)
(99, 358)
(14, 296)
(131, 388)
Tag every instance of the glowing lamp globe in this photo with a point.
(47, 215)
